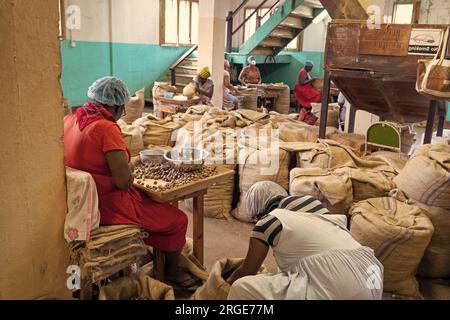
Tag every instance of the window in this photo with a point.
(406, 11)
(252, 24)
(180, 22)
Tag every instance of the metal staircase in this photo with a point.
(286, 22)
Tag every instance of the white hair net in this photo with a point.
(259, 195)
(109, 91)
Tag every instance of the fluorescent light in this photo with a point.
(320, 17)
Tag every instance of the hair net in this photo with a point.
(260, 194)
(309, 63)
(109, 91)
(250, 59)
(204, 73)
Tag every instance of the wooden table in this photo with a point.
(172, 106)
(195, 190)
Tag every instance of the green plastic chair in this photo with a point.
(384, 135)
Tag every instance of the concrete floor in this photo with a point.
(227, 239)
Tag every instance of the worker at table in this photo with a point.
(250, 74)
(94, 143)
(304, 91)
(316, 255)
(204, 86)
(229, 91)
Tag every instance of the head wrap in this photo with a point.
(259, 195)
(309, 63)
(204, 73)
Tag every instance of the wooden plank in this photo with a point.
(324, 108)
(198, 228)
(187, 189)
(388, 40)
(345, 9)
(159, 265)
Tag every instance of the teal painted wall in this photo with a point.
(288, 73)
(139, 65)
(448, 112)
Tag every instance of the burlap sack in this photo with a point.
(136, 288)
(296, 131)
(356, 142)
(395, 160)
(426, 177)
(218, 200)
(248, 99)
(282, 103)
(333, 190)
(368, 183)
(435, 289)
(399, 234)
(436, 261)
(133, 139)
(251, 170)
(159, 132)
(135, 107)
(217, 287)
(246, 118)
(333, 113)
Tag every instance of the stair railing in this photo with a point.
(268, 12)
(173, 75)
(230, 18)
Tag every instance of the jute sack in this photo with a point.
(333, 113)
(435, 289)
(399, 233)
(136, 288)
(282, 103)
(426, 177)
(296, 131)
(133, 139)
(333, 190)
(217, 287)
(325, 154)
(218, 200)
(251, 170)
(436, 261)
(356, 142)
(368, 183)
(158, 132)
(135, 107)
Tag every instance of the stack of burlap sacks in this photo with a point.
(109, 250)
(209, 127)
(400, 210)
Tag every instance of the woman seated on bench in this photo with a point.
(94, 144)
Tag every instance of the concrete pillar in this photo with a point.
(33, 252)
(211, 42)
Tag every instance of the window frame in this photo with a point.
(415, 13)
(162, 25)
(62, 16)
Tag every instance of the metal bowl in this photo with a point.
(186, 159)
(155, 155)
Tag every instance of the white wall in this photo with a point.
(132, 21)
(435, 11)
(315, 36)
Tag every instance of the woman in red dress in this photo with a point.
(94, 144)
(304, 91)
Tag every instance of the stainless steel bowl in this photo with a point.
(186, 159)
(155, 155)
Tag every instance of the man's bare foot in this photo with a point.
(182, 278)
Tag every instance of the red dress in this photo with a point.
(306, 93)
(85, 150)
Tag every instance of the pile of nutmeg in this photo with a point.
(170, 177)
